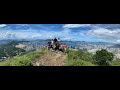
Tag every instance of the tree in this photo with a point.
(103, 57)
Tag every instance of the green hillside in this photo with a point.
(24, 60)
(115, 63)
(79, 58)
(9, 50)
(79, 63)
(72, 58)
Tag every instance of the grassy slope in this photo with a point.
(24, 60)
(78, 63)
(78, 58)
(74, 58)
(115, 63)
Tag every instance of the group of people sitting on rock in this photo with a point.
(55, 44)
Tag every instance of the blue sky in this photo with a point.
(75, 32)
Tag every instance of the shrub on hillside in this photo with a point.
(103, 57)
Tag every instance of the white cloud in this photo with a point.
(66, 33)
(108, 26)
(2, 25)
(23, 24)
(75, 25)
(118, 41)
(103, 33)
(33, 34)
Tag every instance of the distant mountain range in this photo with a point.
(4, 42)
(115, 46)
(69, 43)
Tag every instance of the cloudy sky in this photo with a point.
(76, 32)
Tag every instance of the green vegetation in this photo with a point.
(79, 54)
(84, 58)
(103, 57)
(74, 58)
(24, 60)
(9, 50)
(78, 63)
(115, 63)
(79, 58)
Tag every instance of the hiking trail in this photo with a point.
(51, 58)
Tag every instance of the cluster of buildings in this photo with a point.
(28, 46)
(92, 48)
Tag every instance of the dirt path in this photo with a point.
(50, 58)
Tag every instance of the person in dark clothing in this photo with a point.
(55, 43)
(55, 40)
(49, 45)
